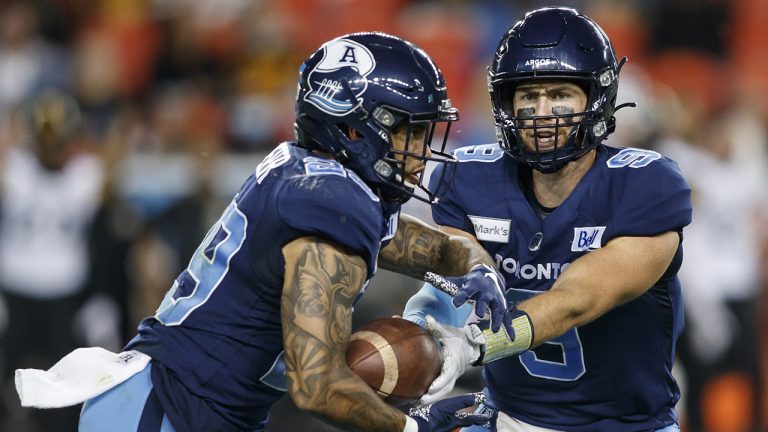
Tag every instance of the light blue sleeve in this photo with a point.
(431, 301)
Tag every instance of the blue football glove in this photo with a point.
(493, 416)
(483, 285)
(443, 416)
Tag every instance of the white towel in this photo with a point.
(82, 374)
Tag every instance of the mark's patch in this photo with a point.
(491, 229)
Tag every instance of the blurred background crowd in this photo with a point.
(127, 125)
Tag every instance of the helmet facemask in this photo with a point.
(538, 139)
(416, 144)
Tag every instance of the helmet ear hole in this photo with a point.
(346, 130)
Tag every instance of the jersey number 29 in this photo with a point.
(206, 269)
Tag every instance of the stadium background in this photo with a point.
(180, 99)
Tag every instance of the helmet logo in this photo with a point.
(343, 60)
(541, 62)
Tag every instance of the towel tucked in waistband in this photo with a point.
(81, 375)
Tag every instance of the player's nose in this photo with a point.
(543, 105)
(544, 108)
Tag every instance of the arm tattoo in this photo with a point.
(316, 310)
(415, 249)
(418, 248)
(321, 283)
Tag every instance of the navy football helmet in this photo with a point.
(555, 44)
(355, 91)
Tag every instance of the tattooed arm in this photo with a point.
(418, 248)
(321, 281)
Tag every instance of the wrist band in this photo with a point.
(500, 344)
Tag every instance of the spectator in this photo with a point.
(50, 193)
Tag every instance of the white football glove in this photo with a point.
(460, 348)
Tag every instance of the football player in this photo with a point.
(265, 305)
(587, 236)
(50, 194)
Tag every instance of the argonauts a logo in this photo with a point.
(343, 59)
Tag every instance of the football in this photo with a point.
(396, 357)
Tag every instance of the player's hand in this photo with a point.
(493, 416)
(485, 286)
(460, 348)
(444, 415)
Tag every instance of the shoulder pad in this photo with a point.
(335, 208)
(655, 197)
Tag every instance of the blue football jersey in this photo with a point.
(613, 374)
(216, 339)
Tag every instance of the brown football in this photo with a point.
(396, 357)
